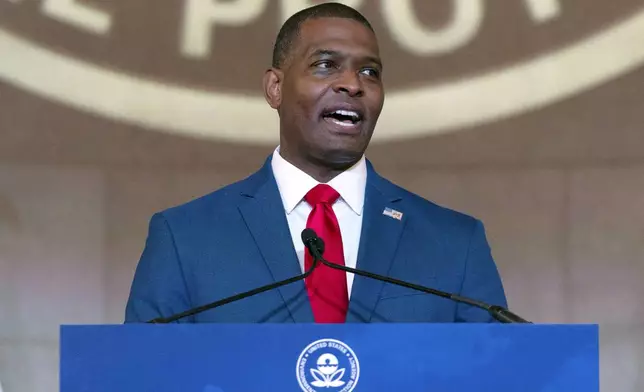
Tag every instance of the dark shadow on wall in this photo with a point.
(10, 228)
(9, 217)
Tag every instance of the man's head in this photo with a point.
(326, 85)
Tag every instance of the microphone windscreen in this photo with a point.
(308, 235)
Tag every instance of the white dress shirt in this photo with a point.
(294, 184)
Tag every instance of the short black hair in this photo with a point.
(291, 28)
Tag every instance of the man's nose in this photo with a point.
(349, 82)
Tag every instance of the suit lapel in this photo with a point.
(264, 215)
(378, 243)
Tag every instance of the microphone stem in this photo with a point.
(237, 297)
(498, 312)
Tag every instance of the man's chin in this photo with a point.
(342, 157)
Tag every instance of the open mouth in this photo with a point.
(343, 118)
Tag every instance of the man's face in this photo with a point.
(331, 92)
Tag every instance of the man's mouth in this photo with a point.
(343, 117)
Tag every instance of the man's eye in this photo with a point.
(371, 72)
(323, 64)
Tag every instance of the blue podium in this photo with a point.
(330, 358)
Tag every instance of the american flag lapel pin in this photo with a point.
(392, 213)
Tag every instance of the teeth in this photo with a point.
(348, 113)
(342, 123)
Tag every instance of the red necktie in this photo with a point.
(327, 287)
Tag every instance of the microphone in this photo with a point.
(315, 245)
(237, 297)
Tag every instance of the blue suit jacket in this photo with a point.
(237, 238)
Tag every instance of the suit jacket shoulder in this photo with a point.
(427, 210)
(447, 248)
(219, 202)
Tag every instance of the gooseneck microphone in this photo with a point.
(315, 245)
(237, 297)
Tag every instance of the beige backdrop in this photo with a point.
(525, 113)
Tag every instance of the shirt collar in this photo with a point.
(294, 184)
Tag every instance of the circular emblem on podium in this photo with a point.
(327, 365)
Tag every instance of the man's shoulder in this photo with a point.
(219, 201)
(428, 210)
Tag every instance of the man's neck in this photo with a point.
(320, 171)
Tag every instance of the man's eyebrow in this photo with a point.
(335, 53)
(325, 52)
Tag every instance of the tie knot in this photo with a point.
(321, 193)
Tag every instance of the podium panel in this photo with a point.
(330, 358)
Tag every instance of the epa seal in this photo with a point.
(327, 365)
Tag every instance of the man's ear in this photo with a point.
(272, 81)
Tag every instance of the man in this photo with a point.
(326, 85)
